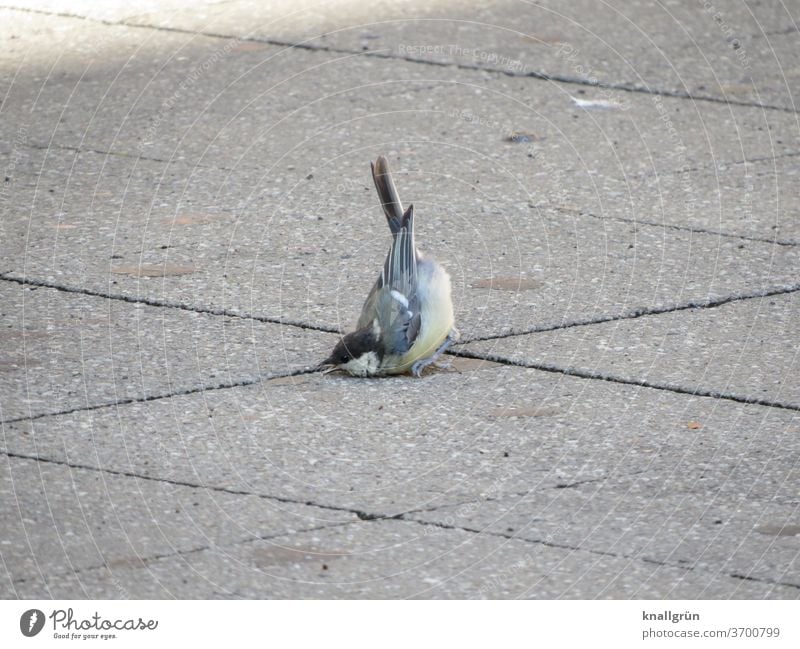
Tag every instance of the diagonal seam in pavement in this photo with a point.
(644, 383)
(698, 392)
(538, 75)
(362, 515)
(574, 548)
(406, 517)
(227, 313)
(188, 551)
(671, 226)
(156, 397)
(638, 313)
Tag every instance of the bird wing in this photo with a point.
(394, 299)
(399, 321)
(393, 209)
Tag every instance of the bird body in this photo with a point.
(407, 319)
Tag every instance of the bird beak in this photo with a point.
(327, 366)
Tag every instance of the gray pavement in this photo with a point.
(187, 219)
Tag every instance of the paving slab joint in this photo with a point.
(538, 75)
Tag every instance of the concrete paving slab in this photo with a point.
(63, 76)
(171, 95)
(64, 351)
(226, 101)
(506, 190)
(733, 52)
(630, 518)
(513, 267)
(756, 200)
(60, 520)
(393, 559)
(481, 125)
(377, 446)
(745, 348)
(192, 175)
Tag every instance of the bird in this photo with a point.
(407, 320)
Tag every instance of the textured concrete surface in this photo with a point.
(182, 239)
(187, 219)
(395, 559)
(741, 200)
(728, 349)
(107, 519)
(719, 50)
(65, 351)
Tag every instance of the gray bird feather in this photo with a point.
(393, 299)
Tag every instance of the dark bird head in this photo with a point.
(358, 353)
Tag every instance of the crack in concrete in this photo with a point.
(644, 383)
(604, 553)
(455, 351)
(578, 483)
(405, 517)
(227, 313)
(632, 315)
(156, 397)
(777, 32)
(670, 226)
(543, 205)
(542, 76)
(158, 556)
(716, 165)
(119, 154)
(128, 401)
(362, 516)
(762, 580)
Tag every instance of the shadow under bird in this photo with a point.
(406, 322)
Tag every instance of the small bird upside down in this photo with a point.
(407, 321)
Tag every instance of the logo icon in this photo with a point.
(31, 622)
